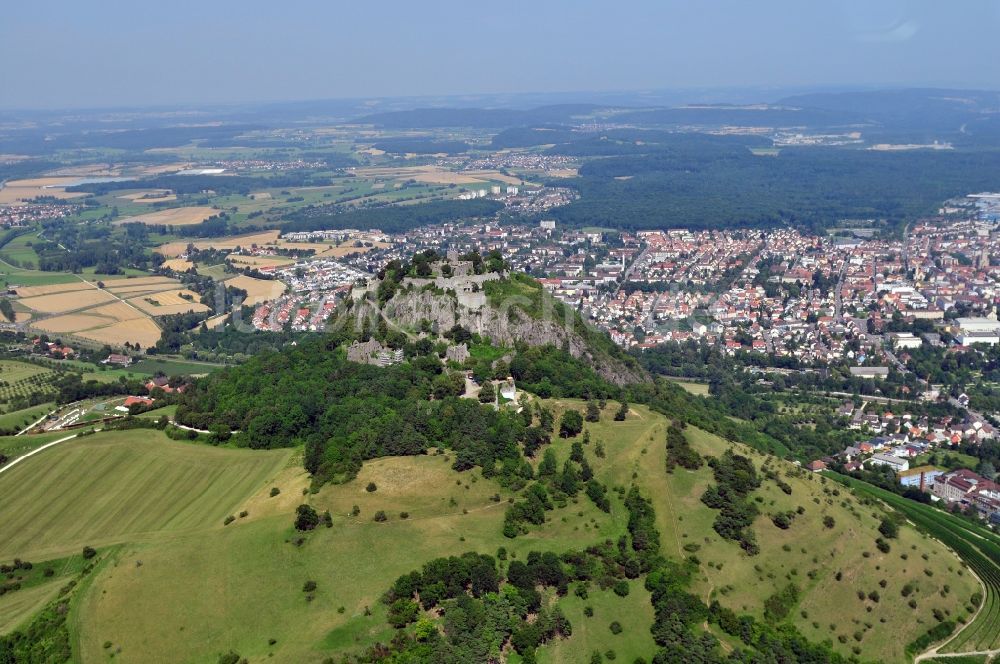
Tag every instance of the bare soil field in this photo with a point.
(62, 302)
(258, 290)
(141, 330)
(16, 191)
(184, 216)
(175, 249)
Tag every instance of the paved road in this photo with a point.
(838, 300)
(19, 459)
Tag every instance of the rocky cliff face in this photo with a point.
(503, 326)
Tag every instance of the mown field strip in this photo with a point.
(113, 485)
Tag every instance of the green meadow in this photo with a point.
(182, 582)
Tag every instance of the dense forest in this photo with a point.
(344, 413)
(807, 187)
(391, 219)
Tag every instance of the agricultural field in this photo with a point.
(137, 485)
(154, 365)
(149, 196)
(223, 574)
(22, 379)
(434, 175)
(37, 586)
(122, 311)
(258, 290)
(182, 216)
(15, 446)
(241, 261)
(18, 419)
(20, 251)
(700, 389)
(16, 192)
(175, 249)
(178, 264)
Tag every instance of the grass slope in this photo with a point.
(117, 486)
(193, 588)
(978, 547)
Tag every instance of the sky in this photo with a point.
(72, 54)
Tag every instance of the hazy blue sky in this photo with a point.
(62, 53)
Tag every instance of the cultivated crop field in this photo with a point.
(21, 379)
(182, 216)
(123, 485)
(258, 290)
(122, 311)
(175, 249)
(258, 261)
(16, 191)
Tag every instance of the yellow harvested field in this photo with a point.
(338, 252)
(100, 316)
(563, 172)
(155, 196)
(426, 174)
(61, 302)
(258, 290)
(32, 291)
(171, 309)
(179, 296)
(16, 192)
(136, 281)
(216, 321)
(259, 261)
(496, 176)
(73, 323)
(184, 216)
(134, 291)
(178, 264)
(168, 302)
(140, 330)
(116, 311)
(175, 249)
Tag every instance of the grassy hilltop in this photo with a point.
(178, 583)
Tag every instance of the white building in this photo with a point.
(969, 338)
(896, 463)
(978, 325)
(905, 340)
